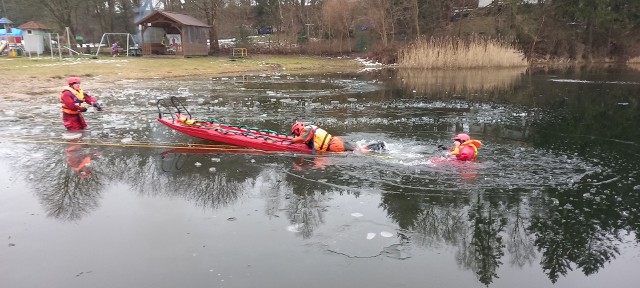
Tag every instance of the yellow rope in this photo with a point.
(142, 145)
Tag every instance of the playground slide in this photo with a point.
(3, 46)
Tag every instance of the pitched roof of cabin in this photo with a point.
(179, 18)
(33, 25)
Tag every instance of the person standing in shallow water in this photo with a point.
(72, 98)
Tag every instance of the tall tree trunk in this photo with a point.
(209, 9)
(416, 16)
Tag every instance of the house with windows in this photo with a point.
(36, 37)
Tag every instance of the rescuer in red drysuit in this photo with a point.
(72, 98)
(465, 149)
(320, 140)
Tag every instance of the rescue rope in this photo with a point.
(140, 145)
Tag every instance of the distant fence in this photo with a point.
(238, 52)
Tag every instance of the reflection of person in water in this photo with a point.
(79, 160)
(71, 188)
(312, 163)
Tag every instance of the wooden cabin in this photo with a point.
(166, 33)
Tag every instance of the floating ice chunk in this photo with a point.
(126, 140)
(294, 228)
(212, 169)
(214, 159)
(352, 99)
(71, 135)
(356, 214)
(197, 164)
(386, 234)
(371, 236)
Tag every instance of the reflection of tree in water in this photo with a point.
(519, 241)
(305, 208)
(484, 251)
(442, 219)
(581, 230)
(210, 185)
(64, 194)
(581, 227)
(69, 197)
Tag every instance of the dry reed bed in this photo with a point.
(459, 53)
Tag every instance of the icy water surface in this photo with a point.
(553, 200)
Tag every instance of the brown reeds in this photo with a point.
(634, 63)
(448, 52)
(634, 60)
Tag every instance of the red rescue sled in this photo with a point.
(265, 140)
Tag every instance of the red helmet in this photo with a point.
(73, 80)
(296, 129)
(462, 137)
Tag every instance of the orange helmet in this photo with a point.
(296, 129)
(462, 137)
(73, 80)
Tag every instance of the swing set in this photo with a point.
(108, 39)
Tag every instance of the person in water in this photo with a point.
(464, 148)
(320, 140)
(72, 98)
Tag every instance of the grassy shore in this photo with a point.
(26, 77)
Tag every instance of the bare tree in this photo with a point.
(209, 10)
(379, 15)
(339, 15)
(172, 5)
(105, 10)
(416, 16)
(62, 11)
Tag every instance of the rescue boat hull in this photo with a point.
(235, 136)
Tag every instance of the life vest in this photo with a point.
(462, 151)
(78, 97)
(321, 139)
